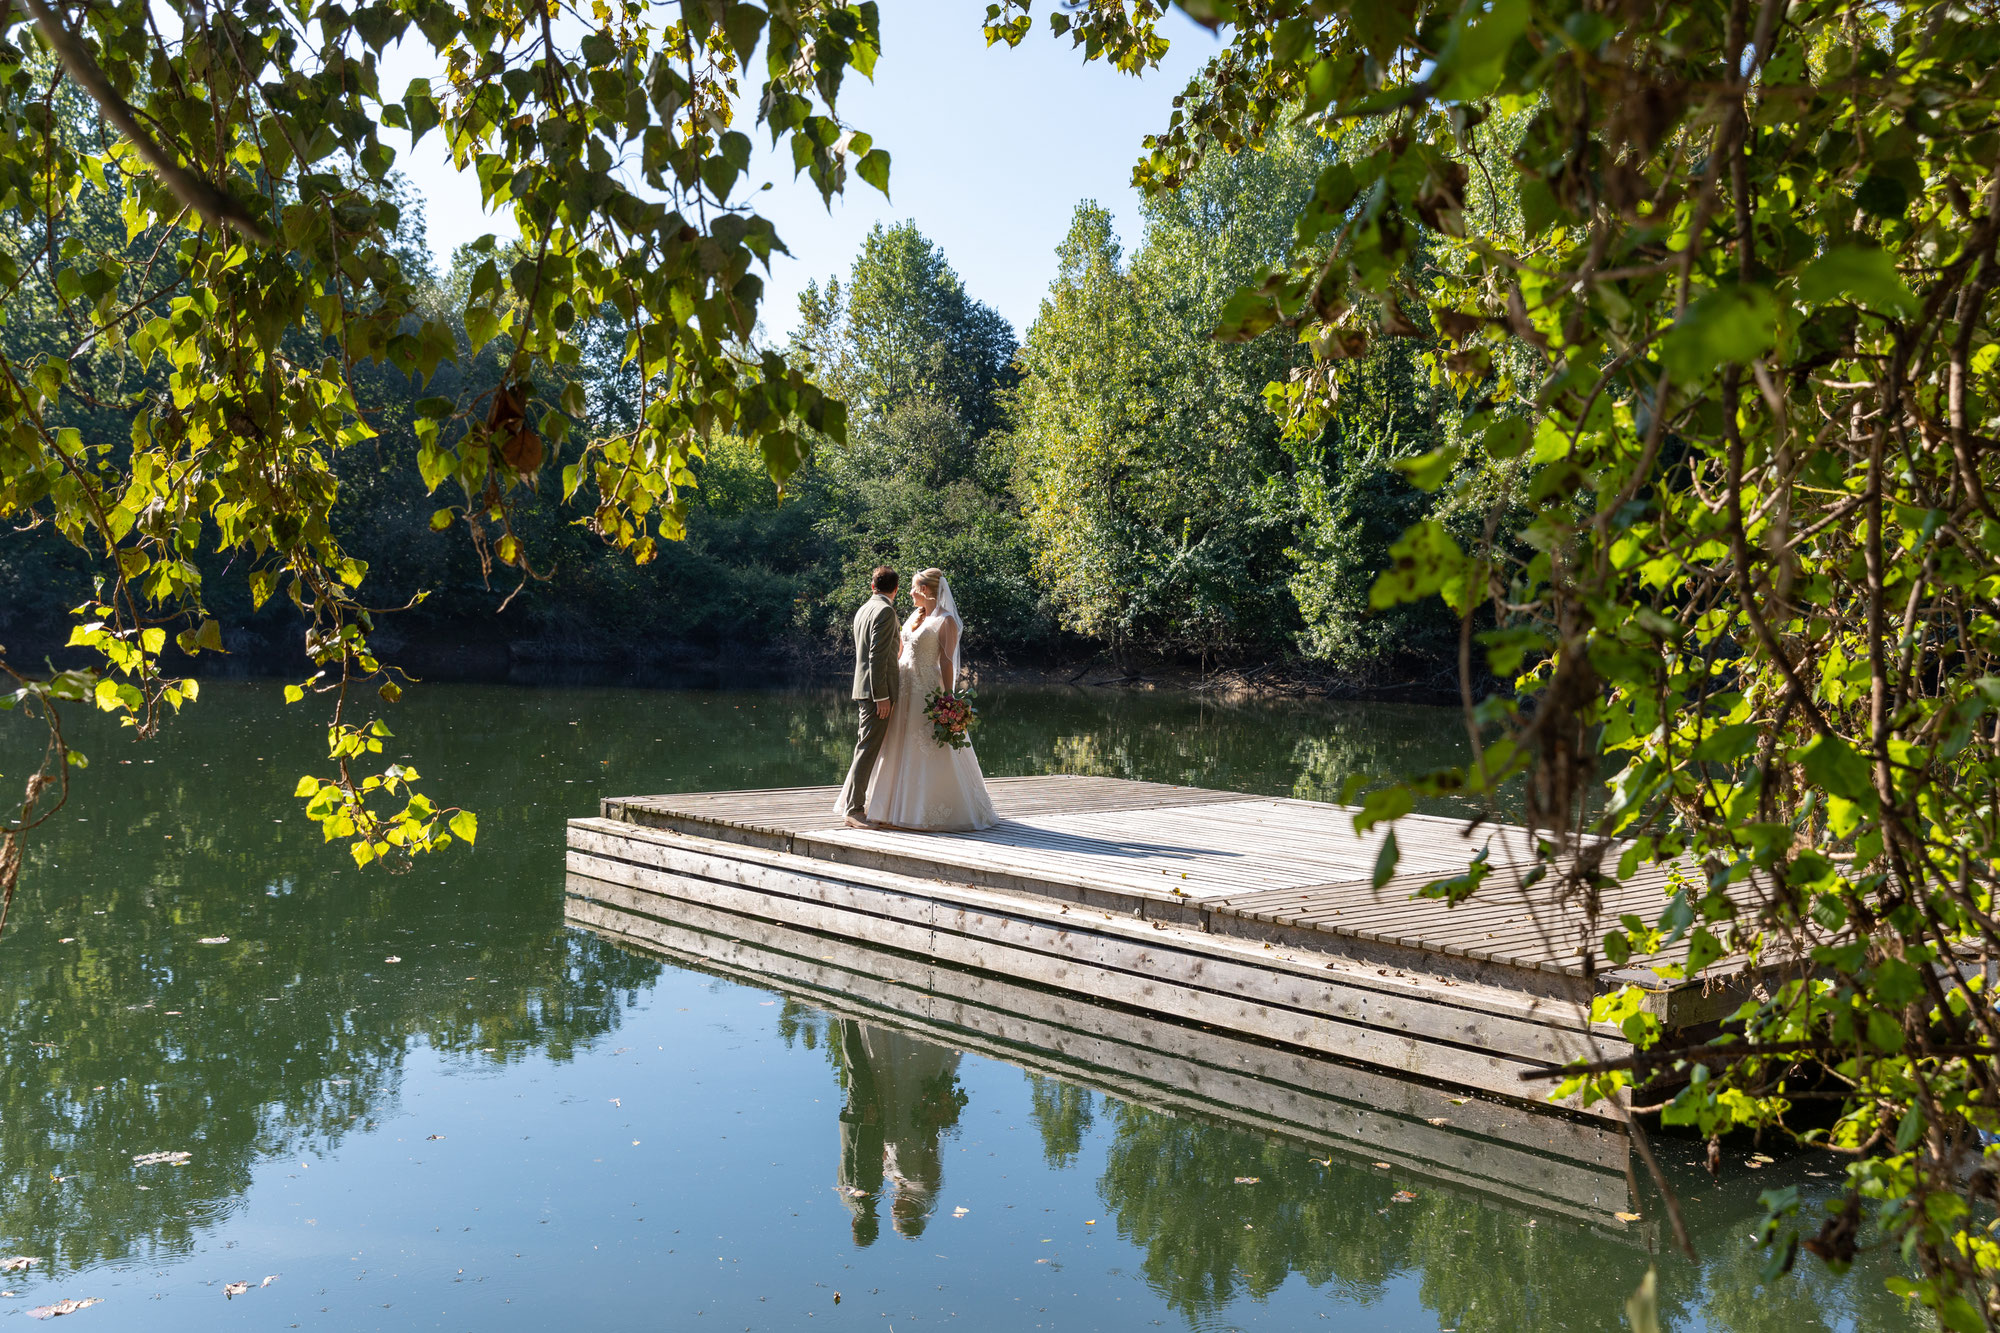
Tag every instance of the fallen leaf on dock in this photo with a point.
(234, 1289)
(18, 1262)
(1458, 1101)
(1402, 1196)
(161, 1158)
(213, 939)
(1247, 1180)
(64, 1307)
(1626, 1217)
(1437, 1120)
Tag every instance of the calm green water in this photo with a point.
(421, 1102)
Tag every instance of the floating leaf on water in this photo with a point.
(64, 1307)
(616, 1102)
(269, 1280)
(162, 1158)
(1248, 1180)
(235, 1289)
(1380, 1166)
(67, 939)
(17, 1262)
(849, 1192)
(1402, 1196)
(429, 1137)
(1759, 1159)
(961, 1212)
(1626, 1217)
(392, 958)
(213, 939)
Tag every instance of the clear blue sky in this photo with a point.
(990, 151)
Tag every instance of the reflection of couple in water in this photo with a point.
(902, 1095)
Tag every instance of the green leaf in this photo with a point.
(481, 325)
(1429, 471)
(1506, 438)
(1422, 561)
(465, 825)
(1729, 325)
(308, 786)
(874, 169)
(293, 694)
(1862, 274)
(1832, 765)
(1883, 196)
(742, 24)
(1385, 860)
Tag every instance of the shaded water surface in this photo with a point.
(422, 1101)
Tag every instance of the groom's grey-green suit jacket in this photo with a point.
(876, 638)
(876, 634)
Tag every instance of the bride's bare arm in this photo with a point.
(947, 651)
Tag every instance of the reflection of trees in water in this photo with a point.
(1064, 1113)
(296, 1030)
(1481, 1267)
(1293, 747)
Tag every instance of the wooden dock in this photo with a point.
(1495, 1151)
(1253, 916)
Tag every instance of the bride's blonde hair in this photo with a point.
(929, 578)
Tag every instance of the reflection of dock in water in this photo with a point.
(1249, 915)
(1547, 1164)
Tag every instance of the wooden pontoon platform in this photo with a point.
(1252, 915)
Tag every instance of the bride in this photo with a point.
(918, 783)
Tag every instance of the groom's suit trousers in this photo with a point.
(867, 748)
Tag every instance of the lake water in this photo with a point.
(423, 1102)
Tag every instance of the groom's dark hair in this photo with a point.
(883, 580)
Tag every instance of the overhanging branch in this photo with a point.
(198, 193)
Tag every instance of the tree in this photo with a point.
(248, 148)
(904, 327)
(1754, 271)
(1155, 481)
(924, 479)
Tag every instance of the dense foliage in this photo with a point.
(1757, 545)
(248, 151)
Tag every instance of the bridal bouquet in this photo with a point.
(951, 717)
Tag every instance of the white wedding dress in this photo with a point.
(919, 784)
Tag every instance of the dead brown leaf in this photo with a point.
(64, 1307)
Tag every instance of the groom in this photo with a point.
(875, 643)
